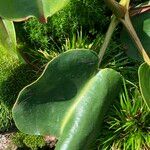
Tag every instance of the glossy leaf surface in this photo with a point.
(82, 122)
(22, 9)
(144, 81)
(41, 105)
(7, 35)
(68, 100)
(141, 24)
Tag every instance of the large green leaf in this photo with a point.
(22, 9)
(141, 24)
(58, 84)
(7, 35)
(82, 122)
(68, 100)
(144, 81)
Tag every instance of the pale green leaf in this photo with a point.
(146, 26)
(8, 36)
(22, 9)
(144, 81)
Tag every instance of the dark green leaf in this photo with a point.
(59, 83)
(141, 24)
(68, 100)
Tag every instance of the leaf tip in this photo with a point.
(43, 19)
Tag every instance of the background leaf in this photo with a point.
(22, 9)
(8, 36)
(146, 27)
(141, 24)
(144, 81)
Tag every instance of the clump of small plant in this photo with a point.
(32, 142)
(127, 126)
(39, 57)
(48, 37)
(77, 41)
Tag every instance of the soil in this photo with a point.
(6, 143)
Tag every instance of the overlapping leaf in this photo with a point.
(82, 122)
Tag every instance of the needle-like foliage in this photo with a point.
(127, 127)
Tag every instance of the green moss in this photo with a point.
(91, 16)
(87, 14)
(5, 117)
(32, 142)
(13, 77)
(18, 138)
(7, 65)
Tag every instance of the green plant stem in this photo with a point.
(112, 26)
(129, 27)
(115, 7)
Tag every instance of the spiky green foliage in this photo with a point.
(33, 142)
(127, 127)
(77, 41)
(116, 58)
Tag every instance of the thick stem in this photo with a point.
(127, 23)
(117, 9)
(112, 26)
